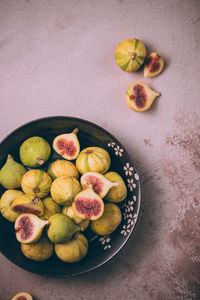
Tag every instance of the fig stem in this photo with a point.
(40, 161)
(75, 131)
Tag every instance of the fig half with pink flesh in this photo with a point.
(88, 205)
(99, 182)
(22, 296)
(28, 228)
(140, 96)
(153, 65)
(67, 145)
(28, 203)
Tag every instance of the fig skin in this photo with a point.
(109, 221)
(140, 96)
(28, 203)
(34, 152)
(28, 228)
(93, 159)
(117, 193)
(39, 251)
(36, 182)
(154, 65)
(85, 202)
(5, 204)
(99, 182)
(67, 145)
(11, 174)
(22, 296)
(130, 55)
(61, 228)
(50, 207)
(73, 250)
(62, 167)
(64, 189)
(68, 211)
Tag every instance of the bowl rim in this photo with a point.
(139, 194)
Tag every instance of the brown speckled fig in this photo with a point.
(140, 96)
(153, 65)
(67, 145)
(28, 228)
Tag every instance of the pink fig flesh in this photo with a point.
(66, 147)
(88, 207)
(139, 96)
(21, 298)
(25, 227)
(22, 208)
(153, 63)
(96, 183)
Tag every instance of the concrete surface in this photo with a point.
(57, 58)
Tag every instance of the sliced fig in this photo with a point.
(22, 296)
(153, 65)
(36, 182)
(67, 145)
(140, 96)
(5, 204)
(88, 205)
(99, 182)
(28, 228)
(93, 159)
(28, 203)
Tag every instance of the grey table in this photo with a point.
(57, 58)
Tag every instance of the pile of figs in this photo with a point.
(51, 209)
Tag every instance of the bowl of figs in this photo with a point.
(69, 196)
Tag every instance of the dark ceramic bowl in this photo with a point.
(101, 248)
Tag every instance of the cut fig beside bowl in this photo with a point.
(104, 164)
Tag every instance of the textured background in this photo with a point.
(57, 58)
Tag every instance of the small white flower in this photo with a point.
(128, 169)
(118, 151)
(131, 184)
(112, 144)
(134, 198)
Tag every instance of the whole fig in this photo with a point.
(50, 207)
(116, 193)
(11, 174)
(34, 152)
(39, 251)
(62, 167)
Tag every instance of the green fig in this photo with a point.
(68, 211)
(39, 251)
(116, 193)
(50, 207)
(61, 228)
(11, 174)
(34, 152)
(73, 250)
(5, 204)
(109, 221)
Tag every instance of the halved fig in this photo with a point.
(28, 228)
(67, 145)
(88, 205)
(100, 184)
(36, 182)
(5, 202)
(28, 203)
(140, 96)
(22, 296)
(68, 211)
(153, 65)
